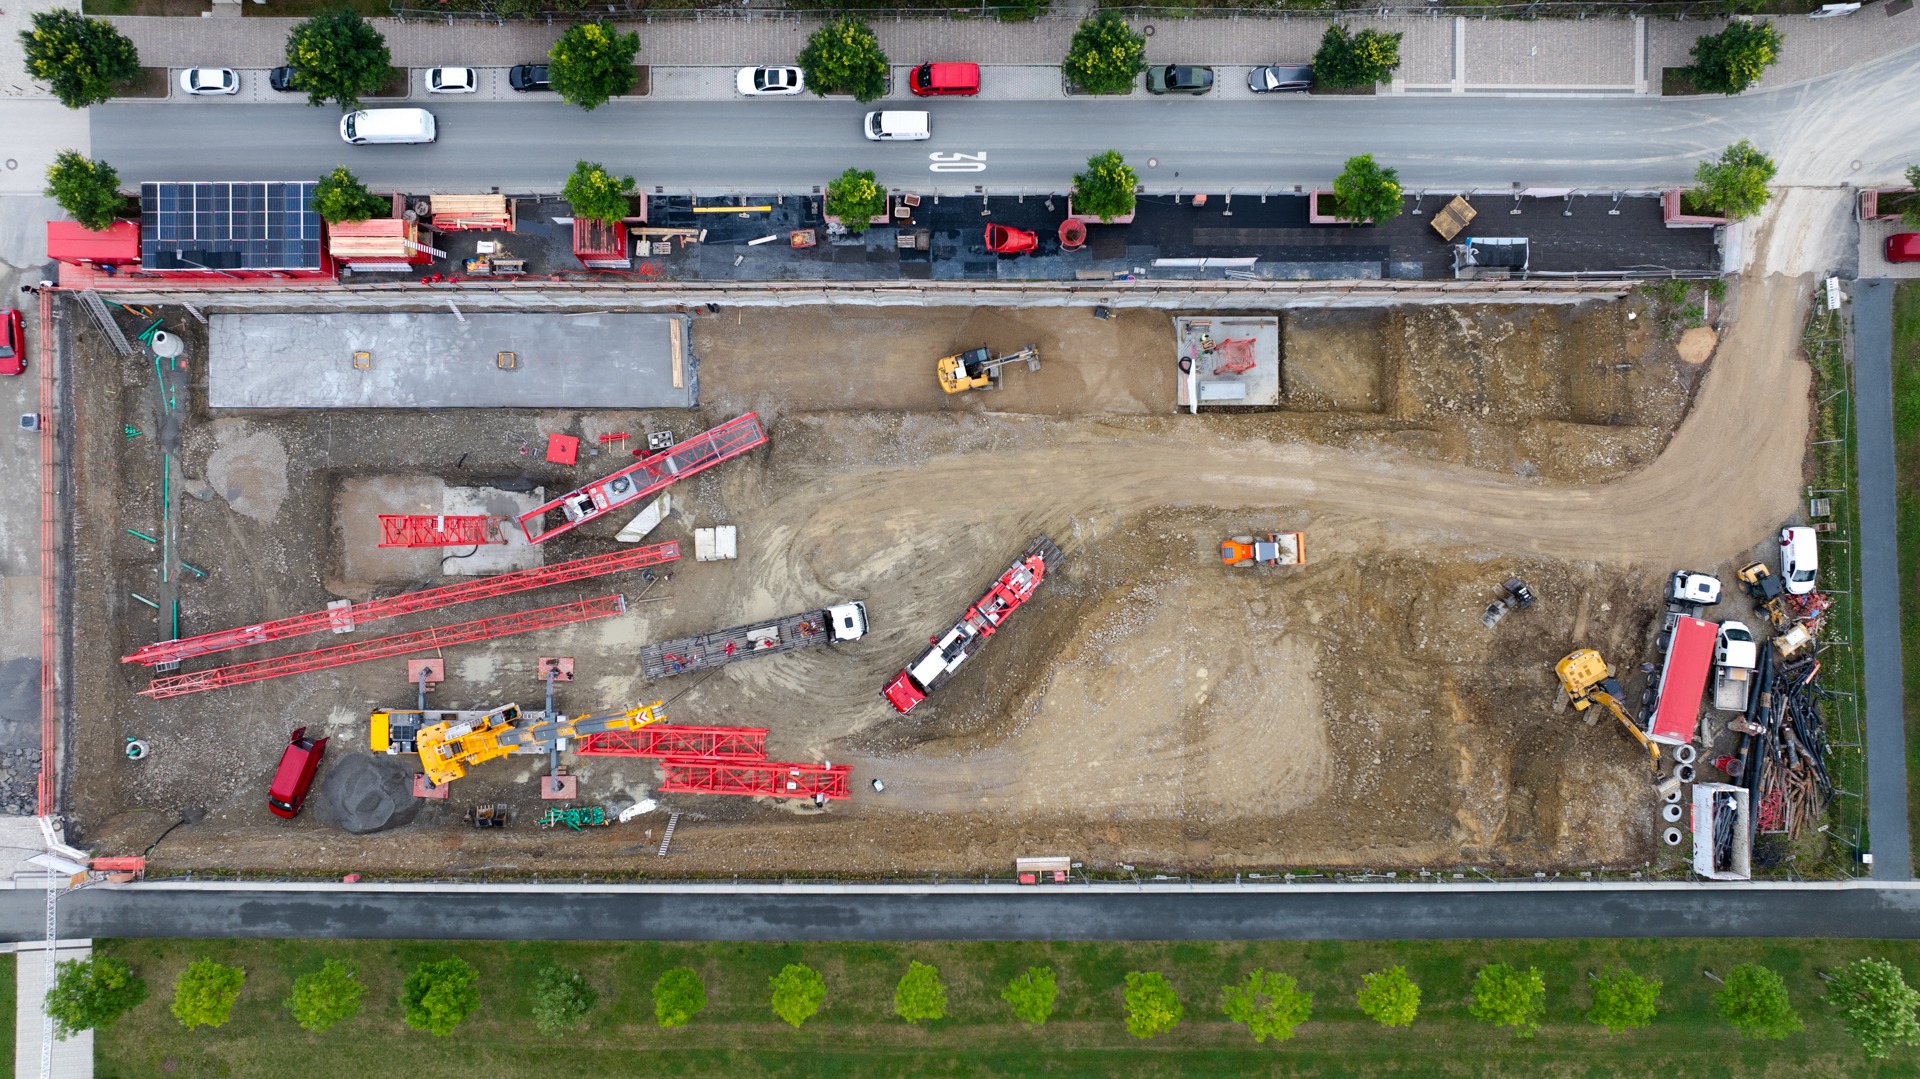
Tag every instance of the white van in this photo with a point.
(387, 126)
(1799, 560)
(899, 126)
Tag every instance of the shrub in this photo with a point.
(596, 194)
(1736, 185)
(856, 199)
(1031, 995)
(338, 56)
(1623, 1000)
(1105, 55)
(1389, 997)
(203, 994)
(920, 996)
(1361, 59)
(1105, 190)
(326, 996)
(1754, 1000)
(1733, 59)
(90, 993)
(1876, 1005)
(438, 995)
(1366, 192)
(844, 57)
(797, 993)
(78, 58)
(678, 996)
(1152, 1005)
(591, 63)
(561, 999)
(1268, 1005)
(89, 191)
(1507, 997)
(1910, 216)
(340, 196)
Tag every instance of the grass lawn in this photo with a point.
(1906, 451)
(9, 973)
(856, 1034)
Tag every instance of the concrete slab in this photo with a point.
(445, 360)
(1233, 339)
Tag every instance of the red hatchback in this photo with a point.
(13, 346)
(295, 775)
(942, 80)
(1903, 247)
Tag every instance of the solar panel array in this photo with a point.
(229, 226)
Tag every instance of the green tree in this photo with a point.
(1105, 190)
(844, 57)
(89, 191)
(90, 993)
(1735, 186)
(1361, 59)
(1366, 192)
(1910, 216)
(1754, 999)
(596, 194)
(591, 63)
(561, 997)
(1031, 995)
(338, 56)
(79, 58)
(855, 198)
(797, 993)
(1876, 1005)
(1105, 55)
(1389, 997)
(1269, 1005)
(326, 996)
(1152, 1005)
(678, 996)
(920, 996)
(1733, 59)
(439, 994)
(1623, 1000)
(340, 196)
(1507, 997)
(203, 994)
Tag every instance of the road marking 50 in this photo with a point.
(945, 162)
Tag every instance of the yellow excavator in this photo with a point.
(1588, 680)
(979, 369)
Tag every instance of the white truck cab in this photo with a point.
(849, 621)
(1735, 655)
(1699, 589)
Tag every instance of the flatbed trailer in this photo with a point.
(807, 629)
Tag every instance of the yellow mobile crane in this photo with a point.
(450, 746)
(1588, 680)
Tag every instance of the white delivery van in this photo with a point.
(1799, 560)
(374, 126)
(899, 126)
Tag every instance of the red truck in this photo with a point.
(1683, 678)
(985, 618)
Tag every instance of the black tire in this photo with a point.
(1186, 365)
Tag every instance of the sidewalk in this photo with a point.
(1447, 54)
(73, 1058)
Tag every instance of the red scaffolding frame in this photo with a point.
(427, 599)
(651, 474)
(665, 740)
(763, 778)
(49, 565)
(340, 655)
(437, 530)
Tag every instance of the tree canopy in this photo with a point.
(1152, 1005)
(844, 57)
(203, 994)
(1623, 1000)
(91, 993)
(77, 57)
(561, 997)
(1031, 995)
(1507, 997)
(326, 996)
(1356, 59)
(1105, 190)
(855, 198)
(340, 196)
(439, 994)
(338, 56)
(1735, 186)
(797, 993)
(89, 191)
(1105, 55)
(1733, 59)
(591, 63)
(678, 995)
(1269, 1005)
(1754, 999)
(1365, 191)
(596, 194)
(1389, 997)
(1876, 1005)
(920, 996)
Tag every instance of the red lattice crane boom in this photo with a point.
(766, 778)
(666, 740)
(637, 481)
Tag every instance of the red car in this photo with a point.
(943, 80)
(295, 775)
(1901, 247)
(13, 345)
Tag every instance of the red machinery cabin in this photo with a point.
(1002, 240)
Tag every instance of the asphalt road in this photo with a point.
(1268, 912)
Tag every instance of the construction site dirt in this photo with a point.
(1150, 707)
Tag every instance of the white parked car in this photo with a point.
(452, 80)
(1799, 560)
(201, 81)
(770, 81)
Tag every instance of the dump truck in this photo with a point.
(987, 616)
(1683, 680)
(1734, 657)
(1275, 549)
(837, 624)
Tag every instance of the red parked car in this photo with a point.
(1903, 247)
(13, 346)
(295, 775)
(943, 80)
